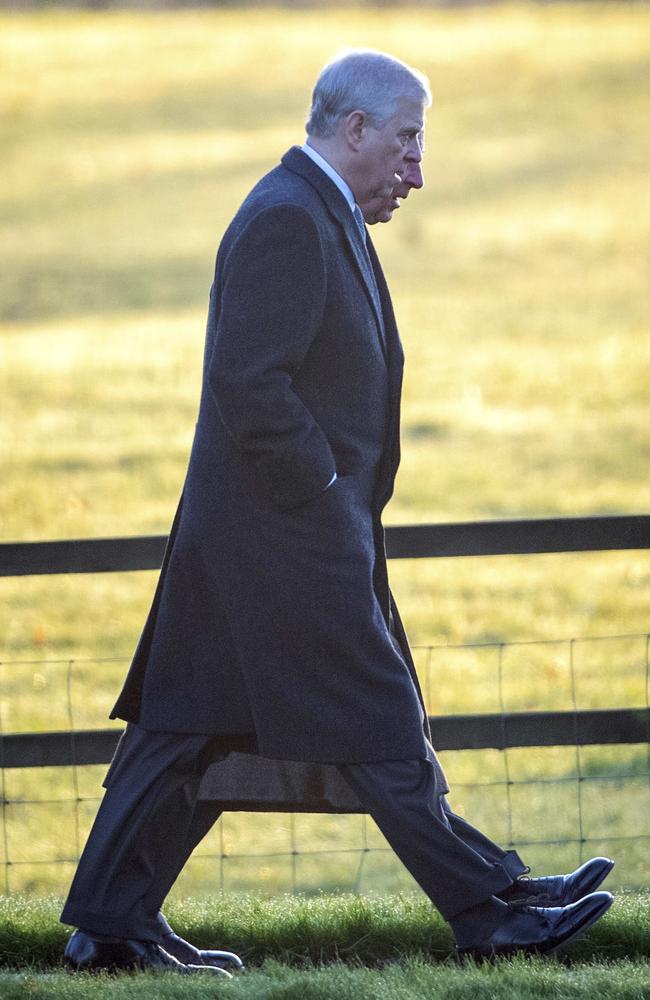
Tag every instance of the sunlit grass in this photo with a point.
(378, 948)
(329, 928)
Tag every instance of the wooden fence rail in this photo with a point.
(453, 732)
(418, 541)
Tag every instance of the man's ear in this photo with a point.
(354, 128)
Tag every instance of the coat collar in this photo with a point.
(301, 164)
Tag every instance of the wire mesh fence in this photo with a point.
(555, 804)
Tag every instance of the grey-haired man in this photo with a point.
(273, 628)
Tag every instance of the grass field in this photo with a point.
(520, 280)
(343, 947)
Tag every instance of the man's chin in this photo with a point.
(384, 214)
(387, 214)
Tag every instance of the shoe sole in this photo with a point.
(133, 967)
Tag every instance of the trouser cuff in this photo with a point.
(118, 925)
(494, 882)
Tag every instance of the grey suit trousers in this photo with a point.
(150, 820)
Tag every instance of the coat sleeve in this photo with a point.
(271, 304)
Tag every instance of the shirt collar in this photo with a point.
(343, 187)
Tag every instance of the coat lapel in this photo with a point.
(395, 355)
(338, 207)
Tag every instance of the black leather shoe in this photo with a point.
(558, 890)
(540, 930)
(86, 953)
(189, 955)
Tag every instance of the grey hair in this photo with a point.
(362, 80)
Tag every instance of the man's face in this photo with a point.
(386, 152)
(381, 209)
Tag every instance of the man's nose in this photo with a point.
(413, 175)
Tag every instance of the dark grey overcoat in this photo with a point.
(273, 615)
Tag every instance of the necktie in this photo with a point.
(358, 218)
(361, 226)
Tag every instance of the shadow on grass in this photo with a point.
(301, 932)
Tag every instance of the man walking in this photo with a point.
(273, 628)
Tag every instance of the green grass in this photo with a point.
(519, 276)
(376, 948)
(300, 931)
(414, 980)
